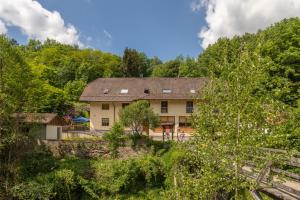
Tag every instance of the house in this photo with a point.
(44, 126)
(172, 98)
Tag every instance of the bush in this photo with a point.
(39, 161)
(123, 176)
(64, 182)
(116, 176)
(153, 171)
(115, 138)
(33, 190)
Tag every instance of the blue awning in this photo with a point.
(80, 120)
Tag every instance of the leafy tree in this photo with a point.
(191, 68)
(74, 89)
(279, 44)
(168, 69)
(115, 137)
(134, 64)
(235, 120)
(15, 76)
(138, 115)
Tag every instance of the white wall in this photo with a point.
(175, 108)
(51, 132)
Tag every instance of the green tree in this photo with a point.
(139, 115)
(168, 69)
(134, 63)
(15, 80)
(232, 123)
(74, 89)
(191, 68)
(279, 44)
(115, 138)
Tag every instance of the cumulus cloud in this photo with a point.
(37, 22)
(2, 28)
(226, 18)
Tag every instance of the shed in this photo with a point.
(45, 126)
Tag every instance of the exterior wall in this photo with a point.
(175, 108)
(51, 132)
(96, 114)
(38, 131)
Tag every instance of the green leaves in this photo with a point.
(115, 138)
(138, 115)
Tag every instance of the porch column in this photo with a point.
(176, 125)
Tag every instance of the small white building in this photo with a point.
(44, 126)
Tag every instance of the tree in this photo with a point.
(134, 63)
(232, 124)
(15, 80)
(278, 43)
(73, 89)
(115, 138)
(168, 69)
(191, 68)
(139, 115)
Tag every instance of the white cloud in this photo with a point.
(37, 22)
(107, 35)
(226, 18)
(2, 28)
(107, 40)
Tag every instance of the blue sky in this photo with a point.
(163, 28)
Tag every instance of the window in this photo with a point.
(192, 91)
(105, 106)
(105, 121)
(124, 105)
(105, 91)
(167, 91)
(124, 91)
(167, 119)
(146, 91)
(189, 107)
(164, 107)
(184, 121)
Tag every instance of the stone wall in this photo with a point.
(88, 149)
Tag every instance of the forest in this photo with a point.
(255, 88)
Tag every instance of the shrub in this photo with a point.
(115, 138)
(122, 176)
(152, 170)
(39, 161)
(116, 176)
(33, 190)
(64, 182)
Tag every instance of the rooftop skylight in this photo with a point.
(192, 91)
(167, 91)
(124, 91)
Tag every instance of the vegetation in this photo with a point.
(115, 137)
(139, 115)
(251, 102)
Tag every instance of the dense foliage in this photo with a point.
(252, 101)
(139, 115)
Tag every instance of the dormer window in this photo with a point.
(167, 91)
(192, 91)
(105, 91)
(146, 91)
(124, 91)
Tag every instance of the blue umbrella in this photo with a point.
(80, 120)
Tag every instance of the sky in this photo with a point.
(163, 28)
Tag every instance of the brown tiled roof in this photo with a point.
(40, 118)
(95, 91)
